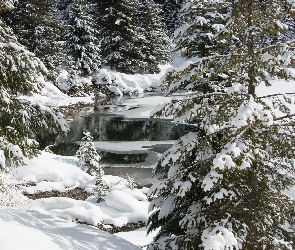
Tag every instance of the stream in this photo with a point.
(128, 142)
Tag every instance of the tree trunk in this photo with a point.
(251, 71)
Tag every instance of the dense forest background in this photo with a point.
(82, 36)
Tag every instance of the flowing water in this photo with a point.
(127, 145)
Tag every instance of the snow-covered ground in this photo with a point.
(32, 230)
(48, 223)
(38, 223)
(51, 172)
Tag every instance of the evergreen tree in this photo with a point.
(199, 21)
(101, 188)
(89, 162)
(222, 184)
(21, 74)
(121, 37)
(88, 156)
(171, 10)
(156, 45)
(81, 46)
(127, 36)
(37, 28)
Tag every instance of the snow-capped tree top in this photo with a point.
(87, 136)
(88, 156)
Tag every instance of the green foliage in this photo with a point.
(21, 74)
(222, 185)
(101, 188)
(88, 156)
(133, 38)
(200, 21)
(37, 28)
(170, 14)
(82, 45)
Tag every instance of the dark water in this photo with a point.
(113, 128)
(106, 127)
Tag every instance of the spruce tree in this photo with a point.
(21, 74)
(171, 9)
(222, 185)
(37, 27)
(89, 162)
(82, 45)
(120, 35)
(88, 156)
(101, 188)
(129, 30)
(199, 22)
(156, 45)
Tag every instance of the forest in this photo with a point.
(223, 185)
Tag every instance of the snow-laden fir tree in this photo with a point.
(89, 162)
(156, 45)
(101, 188)
(129, 30)
(199, 22)
(171, 9)
(121, 37)
(222, 185)
(36, 26)
(88, 156)
(21, 75)
(82, 46)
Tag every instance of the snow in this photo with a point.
(142, 106)
(219, 238)
(2, 159)
(278, 87)
(129, 145)
(50, 223)
(32, 230)
(53, 172)
(53, 97)
(138, 237)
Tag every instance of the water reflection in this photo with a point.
(105, 127)
(113, 130)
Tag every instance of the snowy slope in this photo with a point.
(31, 230)
(52, 172)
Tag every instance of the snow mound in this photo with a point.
(52, 172)
(128, 84)
(31, 230)
(71, 210)
(118, 209)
